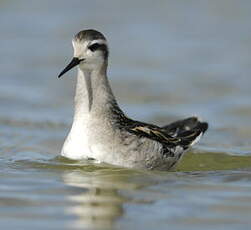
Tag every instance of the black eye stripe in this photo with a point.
(97, 46)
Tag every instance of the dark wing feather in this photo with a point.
(156, 134)
(187, 124)
(181, 133)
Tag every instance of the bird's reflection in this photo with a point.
(96, 200)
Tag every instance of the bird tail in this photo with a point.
(188, 130)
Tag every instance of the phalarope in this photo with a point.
(100, 129)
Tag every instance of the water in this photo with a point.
(169, 60)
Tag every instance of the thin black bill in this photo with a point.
(75, 61)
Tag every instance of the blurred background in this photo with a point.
(168, 60)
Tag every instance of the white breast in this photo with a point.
(76, 145)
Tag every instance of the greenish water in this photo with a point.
(169, 60)
(213, 161)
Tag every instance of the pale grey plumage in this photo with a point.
(100, 129)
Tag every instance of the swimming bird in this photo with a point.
(101, 130)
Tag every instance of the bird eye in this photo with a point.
(94, 47)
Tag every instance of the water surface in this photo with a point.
(169, 60)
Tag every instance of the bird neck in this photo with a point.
(94, 97)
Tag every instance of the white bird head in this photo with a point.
(90, 51)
